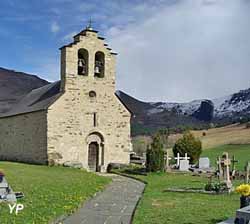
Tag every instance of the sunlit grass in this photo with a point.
(49, 191)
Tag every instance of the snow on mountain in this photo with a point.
(184, 108)
(223, 106)
(235, 103)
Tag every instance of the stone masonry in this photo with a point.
(23, 138)
(77, 126)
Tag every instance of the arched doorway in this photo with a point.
(95, 143)
(93, 156)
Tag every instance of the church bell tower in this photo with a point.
(96, 121)
(88, 58)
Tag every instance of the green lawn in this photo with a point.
(158, 207)
(241, 152)
(49, 191)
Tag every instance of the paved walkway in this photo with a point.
(115, 205)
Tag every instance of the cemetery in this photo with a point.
(180, 184)
(209, 191)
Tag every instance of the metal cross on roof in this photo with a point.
(90, 22)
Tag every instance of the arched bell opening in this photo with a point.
(83, 62)
(99, 64)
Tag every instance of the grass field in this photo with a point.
(49, 191)
(158, 207)
(233, 134)
(229, 135)
(241, 153)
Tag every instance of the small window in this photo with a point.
(94, 120)
(83, 61)
(92, 94)
(99, 64)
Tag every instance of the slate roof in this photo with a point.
(22, 93)
(36, 100)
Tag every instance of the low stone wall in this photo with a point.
(23, 138)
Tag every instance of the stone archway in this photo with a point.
(95, 143)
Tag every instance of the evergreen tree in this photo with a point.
(190, 145)
(155, 155)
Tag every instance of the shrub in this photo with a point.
(190, 145)
(155, 155)
(204, 133)
(217, 187)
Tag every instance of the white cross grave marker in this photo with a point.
(178, 158)
(186, 157)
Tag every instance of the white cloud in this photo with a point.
(188, 49)
(54, 27)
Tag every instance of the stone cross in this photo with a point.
(167, 159)
(247, 170)
(220, 168)
(226, 162)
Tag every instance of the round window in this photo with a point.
(92, 94)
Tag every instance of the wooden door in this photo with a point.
(93, 159)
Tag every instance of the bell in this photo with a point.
(83, 70)
(97, 70)
(81, 62)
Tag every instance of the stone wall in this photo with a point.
(70, 118)
(23, 138)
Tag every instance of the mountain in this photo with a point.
(195, 114)
(148, 116)
(14, 85)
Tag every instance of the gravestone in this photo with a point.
(242, 216)
(204, 163)
(184, 165)
(6, 193)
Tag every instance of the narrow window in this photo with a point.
(83, 61)
(99, 64)
(94, 120)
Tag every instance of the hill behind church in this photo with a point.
(14, 85)
(148, 116)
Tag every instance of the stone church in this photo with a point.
(79, 119)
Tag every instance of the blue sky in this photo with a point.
(32, 31)
(169, 50)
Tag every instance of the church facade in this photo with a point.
(78, 119)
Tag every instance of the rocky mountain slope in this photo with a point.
(224, 110)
